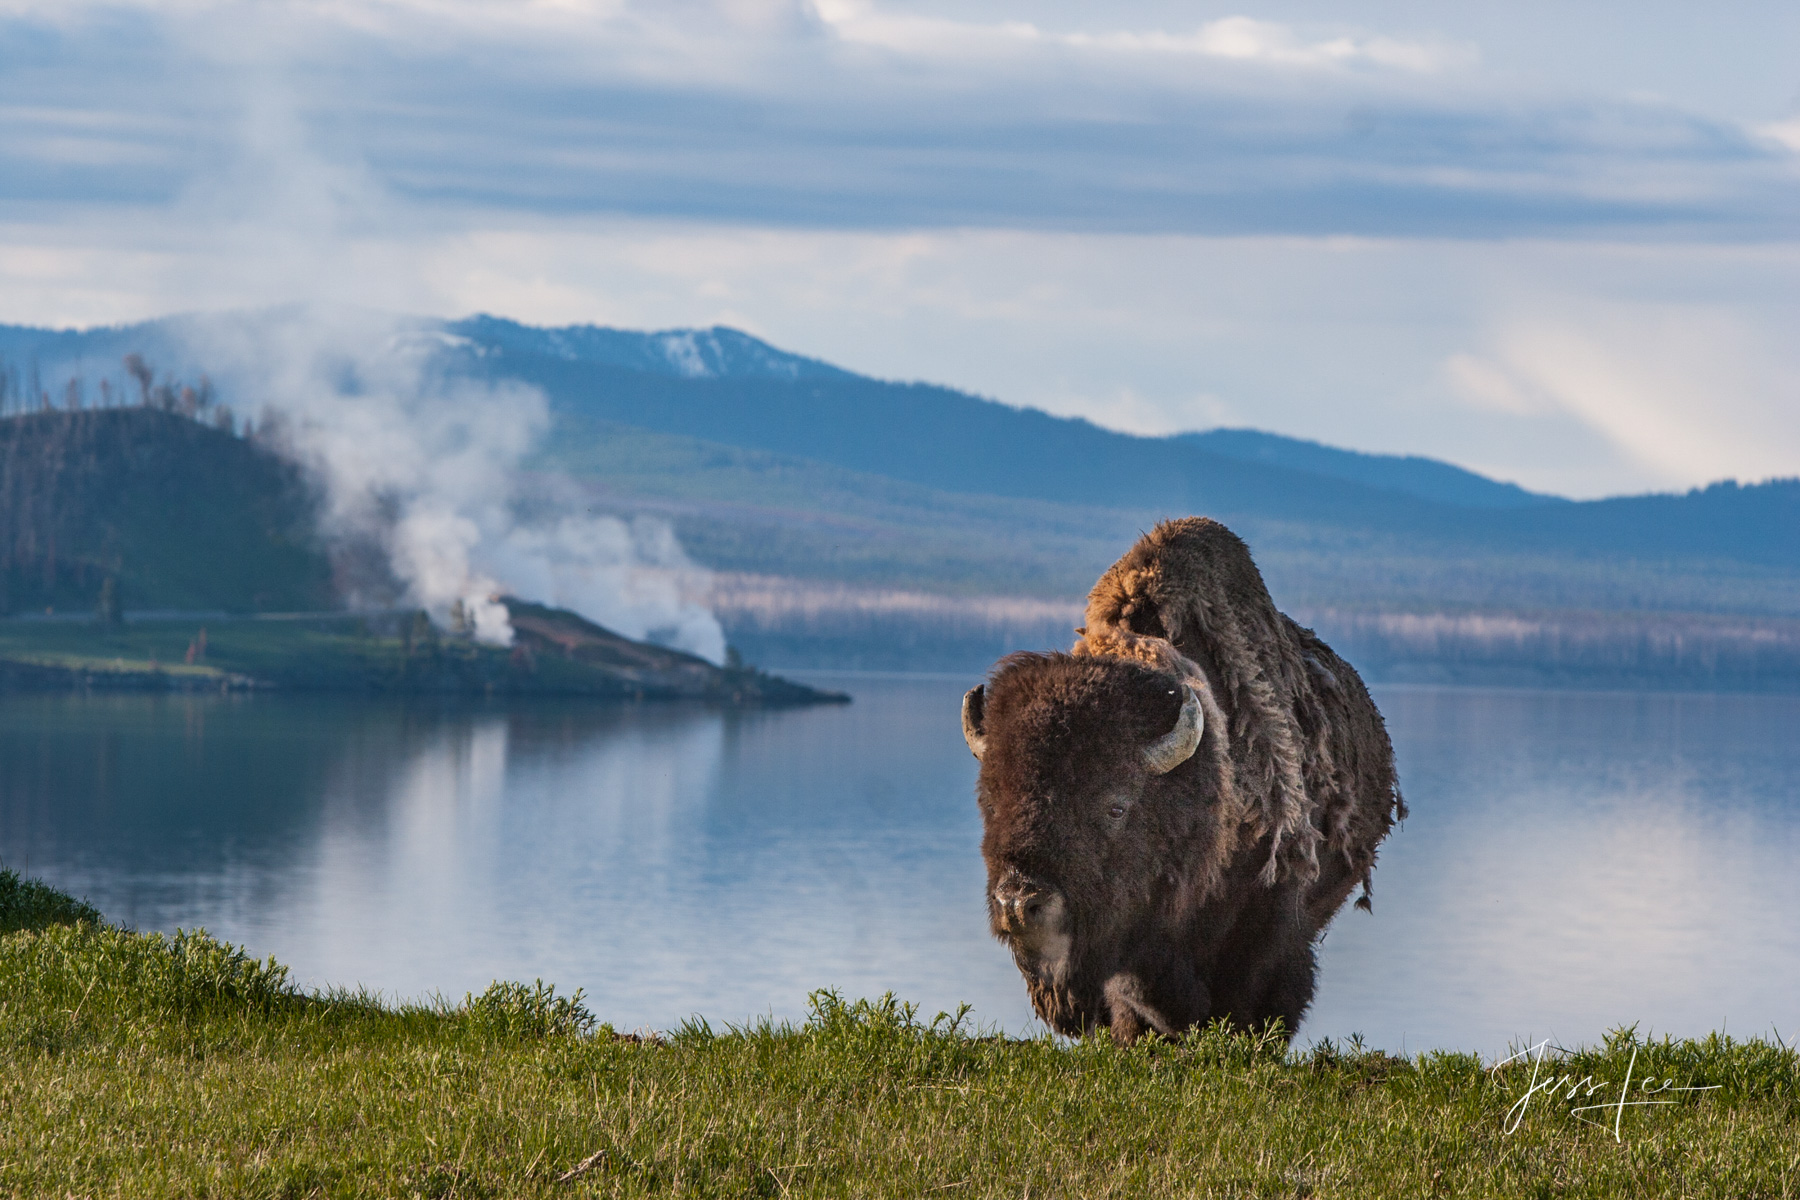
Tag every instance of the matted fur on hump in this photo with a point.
(1311, 756)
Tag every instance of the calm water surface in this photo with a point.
(1574, 861)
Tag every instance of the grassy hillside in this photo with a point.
(755, 511)
(738, 509)
(827, 567)
(951, 442)
(178, 514)
(146, 1066)
(909, 486)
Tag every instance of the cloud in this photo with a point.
(853, 115)
(1374, 344)
(1786, 133)
(1484, 384)
(1333, 231)
(1242, 38)
(422, 467)
(1692, 393)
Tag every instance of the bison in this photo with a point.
(1175, 810)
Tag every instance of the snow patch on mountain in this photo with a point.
(715, 353)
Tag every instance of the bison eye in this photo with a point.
(1116, 811)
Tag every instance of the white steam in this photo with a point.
(418, 464)
(426, 466)
(632, 578)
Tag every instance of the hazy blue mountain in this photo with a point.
(48, 358)
(172, 346)
(954, 442)
(743, 510)
(1427, 478)
(55, 355)
(728, 388)
(941, 439)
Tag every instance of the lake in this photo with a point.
(1573, 860)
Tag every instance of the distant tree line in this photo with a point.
(788, 622)
(806, 623)
(1704, 651)
(23, 392)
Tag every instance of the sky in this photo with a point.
(1557, 243)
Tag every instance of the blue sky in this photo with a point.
(1556, 242)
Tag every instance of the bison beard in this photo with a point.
(1174, 811)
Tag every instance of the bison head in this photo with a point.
(1098, 793)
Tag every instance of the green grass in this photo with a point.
(142, 1065)
(28, 904)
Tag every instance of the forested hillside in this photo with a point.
(175, 513)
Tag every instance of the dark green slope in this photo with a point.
(179, 514)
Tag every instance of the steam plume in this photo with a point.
(424, 464)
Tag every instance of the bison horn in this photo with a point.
(974, 700)
(1174, 747)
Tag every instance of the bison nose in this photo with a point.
(1021, 902)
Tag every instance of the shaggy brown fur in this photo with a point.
(1306, 740)
(1146, 901)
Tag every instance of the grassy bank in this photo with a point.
(140, 1065)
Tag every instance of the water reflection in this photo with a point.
(671, 861)
(1573, 860)
(1576, 861)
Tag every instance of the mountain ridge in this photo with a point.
(948, 440)
(908, 525)
(1428, 478)
(718, 354)
(1298, 499)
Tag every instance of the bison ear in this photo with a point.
(974, 702)
(1177, 746)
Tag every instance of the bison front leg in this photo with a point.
(1168, 1002)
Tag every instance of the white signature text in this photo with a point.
(1586, 1088)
